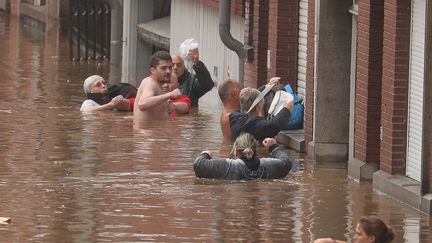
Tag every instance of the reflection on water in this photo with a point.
(72, 177)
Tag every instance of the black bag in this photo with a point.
(124, 89)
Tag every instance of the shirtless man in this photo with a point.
(153, 94)
(229, 92)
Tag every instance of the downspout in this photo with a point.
(226, 37)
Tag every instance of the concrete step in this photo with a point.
(293, 139)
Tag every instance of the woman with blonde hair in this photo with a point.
(246, 165)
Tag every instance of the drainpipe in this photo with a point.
(226, 37)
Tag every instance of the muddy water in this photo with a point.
(69, 177)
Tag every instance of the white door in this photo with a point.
(302, 47)
(415, 96)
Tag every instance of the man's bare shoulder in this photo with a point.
(148, 82)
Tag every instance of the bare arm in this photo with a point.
(181, 108)
(121, 103)
(149, 99)
(328, 240)
(107, 106)
(118, 102)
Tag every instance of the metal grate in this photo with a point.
(90, 30)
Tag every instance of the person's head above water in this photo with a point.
(161, 66)
(178, 65)
(372, 229)
(229, 90)
(95, 84)
(245, 146)
(247, 97)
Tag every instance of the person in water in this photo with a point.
(246, 165)
(97, 98)
(194, 85)
(153, 95)
(229, 93)
(254, 121)
(368, 230)
(180, 105)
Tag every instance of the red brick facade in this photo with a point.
(381, 74)
(271, 28)
(368, 80)
(283, 40)
(395, 85)
(237, 6)
(382, 69)
(255, 69)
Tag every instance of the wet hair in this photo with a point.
(89, 81)
(374, 226)
(247, 97)
(246, 145)
(226, 87)
(158, 56)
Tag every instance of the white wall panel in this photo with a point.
(193, 19)
(302, 48)
(416, 79)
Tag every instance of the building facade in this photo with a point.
(365, 81)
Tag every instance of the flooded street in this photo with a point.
(70, 177)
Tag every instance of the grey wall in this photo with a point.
(116, 31)
(136, 54)
(333, 72)
(146, 11)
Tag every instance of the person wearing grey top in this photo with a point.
(247, 165)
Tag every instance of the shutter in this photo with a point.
(415, 96)
(302, 47)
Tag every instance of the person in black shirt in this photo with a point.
(193, 85)
(254, 121)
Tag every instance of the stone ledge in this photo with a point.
(156, 32)
(293, 139)
(403, 189)
(361, 171)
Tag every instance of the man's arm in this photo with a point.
(118, 102)
(90, 106)
(269, 128)
(182, 105)
(203, 82)
(149, 99)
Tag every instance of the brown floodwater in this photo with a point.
(70, 177)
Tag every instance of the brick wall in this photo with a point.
(395, 85)
(237, 6)
(283, 40)
(256, 35)
(368, 80)
(309, 111)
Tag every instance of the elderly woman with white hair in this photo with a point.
(96, 90)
